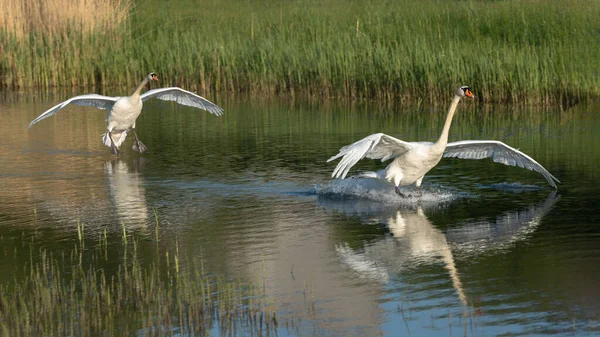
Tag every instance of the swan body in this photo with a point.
(412, 160)
(124, 111)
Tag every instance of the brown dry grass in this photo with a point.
(50, 17)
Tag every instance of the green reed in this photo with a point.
(62, 293)
(527, 51)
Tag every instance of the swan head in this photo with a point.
(464, 91)
(152, 77)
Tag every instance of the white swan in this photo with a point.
(123, 111)
(412, 160)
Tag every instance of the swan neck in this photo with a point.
(138, 90)
(444, 136)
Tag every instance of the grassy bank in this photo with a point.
(69, 293)
(541, 51)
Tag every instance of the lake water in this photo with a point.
(488, 250)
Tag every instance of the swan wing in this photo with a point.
(375, 146)
(95, 100)
(183, 97)
(500, 152)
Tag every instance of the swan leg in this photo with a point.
(399, 192)
(418, 187)
(113, 147)
(418, 192)
(138, 146)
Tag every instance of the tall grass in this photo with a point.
(541, 51)
(66, 293)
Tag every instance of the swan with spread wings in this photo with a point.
(124, 111)
(412, 160)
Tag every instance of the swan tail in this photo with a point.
(118, 136)
(367, 174)
(370, 174)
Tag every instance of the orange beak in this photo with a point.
(469, 93)
(154, 77)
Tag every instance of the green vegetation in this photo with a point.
(65, 293)
(525, 51)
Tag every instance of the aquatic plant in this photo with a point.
(65, 293)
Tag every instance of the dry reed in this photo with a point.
(55, 17)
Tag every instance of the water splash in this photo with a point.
(379, 191)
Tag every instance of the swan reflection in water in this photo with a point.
(415, 240)
(127, 192)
